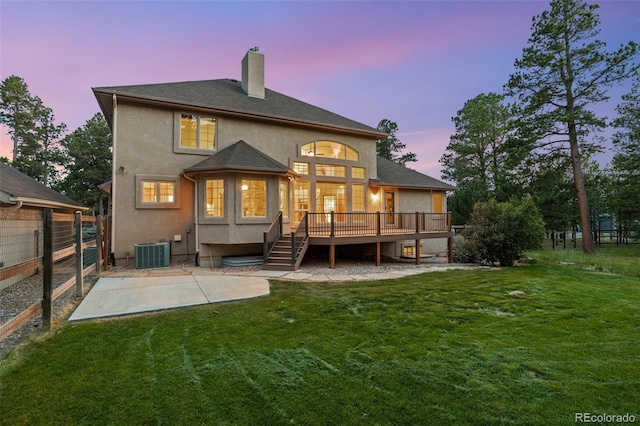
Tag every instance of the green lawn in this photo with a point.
(526, 345)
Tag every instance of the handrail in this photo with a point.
(380, 223)
(299, 236)
(271, 236)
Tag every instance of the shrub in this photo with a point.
(462, 252)
(501, 232)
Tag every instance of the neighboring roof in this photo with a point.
(225, 96)
(240, 157)
(393, 174)
(106, 187)
(17, 188)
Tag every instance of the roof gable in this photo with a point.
(241, 157)
(394, 174)
(225, 96)
(15, 186)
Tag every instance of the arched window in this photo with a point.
(329, 149)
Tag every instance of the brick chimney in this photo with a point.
(253, 73)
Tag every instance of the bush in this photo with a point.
(462, 252)
(501, 232)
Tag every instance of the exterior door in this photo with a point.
(389, 207)
(329, 205)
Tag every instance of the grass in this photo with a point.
(609, 258)
(526, 345)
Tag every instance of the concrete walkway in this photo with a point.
(144, 290)
(124, 296)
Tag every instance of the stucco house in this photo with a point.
(207, 167)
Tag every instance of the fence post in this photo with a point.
(47, 273)
(79, 261)
(98, 245)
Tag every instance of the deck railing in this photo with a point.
(359, 224)
(299, 236)
(271, 235)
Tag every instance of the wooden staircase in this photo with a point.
(280, 257)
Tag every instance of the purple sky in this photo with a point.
(414, 62)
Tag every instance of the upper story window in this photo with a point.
(328, 149)
(358, 172)
(197, 132)
(330, 170)
(302, 168)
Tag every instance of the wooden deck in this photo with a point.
(361, 228)
(332, 229)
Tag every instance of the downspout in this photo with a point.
(195, 216)
(16, 206)
(113, 179)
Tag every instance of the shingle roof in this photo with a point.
(240, 156)
(390, 173)
(226, 96)
(17, 186)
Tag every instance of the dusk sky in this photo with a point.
(414, 62)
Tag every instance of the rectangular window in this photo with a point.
(214, 198)
(358, 172)
(302, 168)
(197, 132)
(284, 198)
(254, 198)
(331, 170)
(158, 192)
(357, 197)
(409, 251)
(300, 199)
(167, 191)
(437, 203)
(149, 191)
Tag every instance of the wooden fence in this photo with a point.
(61, 248)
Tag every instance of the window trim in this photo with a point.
(177, 134)
(140, 179)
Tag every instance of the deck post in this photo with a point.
(332, 256)
(332, 218)
(378, 223)
(378, 262)
(418, 251)
(417, 222)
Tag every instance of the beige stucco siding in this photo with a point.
(144, 146)
(146, 143)
(282, 143)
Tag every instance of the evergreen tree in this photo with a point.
(564, 71)
(625, 201)
(391, 146)
(37, 151)
(89, 150)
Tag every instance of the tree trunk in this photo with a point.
(581, 192)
